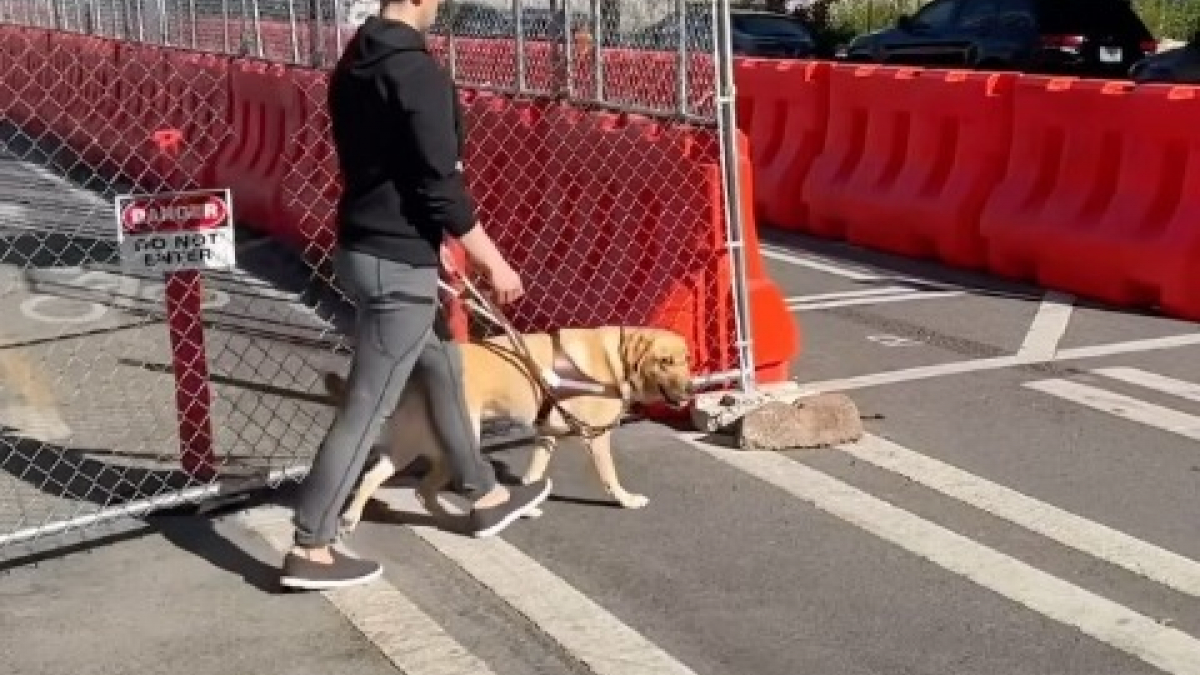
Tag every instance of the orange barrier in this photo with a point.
(267, 112)
(22, 93)
(774, 335)
(1040, 222)
(1156, 206)
(492, 64)
(911, 159)
(783, 107)
(1122, 229)
(565, 192)
(197, 89)
(581, 171)
(303, 209)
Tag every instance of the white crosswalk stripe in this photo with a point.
(1102, 542)
(1167, 385)
(1121, 405)
(398, 628)
(1169, 649)
(608, 646)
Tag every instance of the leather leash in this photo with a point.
(484, 307)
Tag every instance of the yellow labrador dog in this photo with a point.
(594, 373)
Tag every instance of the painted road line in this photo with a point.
(1112, 546)
(407, 636)
(1130, 347)
(1164, 647)
(839, 295)
(587, 631)
(1162, 383)
(850, 302)
(1048, 326)
(820, 266)
(997, 363)
(1120, 405)
(830, 267)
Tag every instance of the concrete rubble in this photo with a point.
(779, 417)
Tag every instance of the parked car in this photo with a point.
(1180, 65)
(472, 19)
(1081, 37)
(756, 33)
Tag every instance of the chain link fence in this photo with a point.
(597, 154)
(108, 406)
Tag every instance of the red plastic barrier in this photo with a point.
(268, 111)
(63, 73)
(853, 90)
(1120, 229)
(309, 187)
(1155, 208)
(565, 192)
(22, 93)
(783, 107)
(492, 63)
(1068, 135)
(776, 334)
(93, 101)
(908, 168)
(590, 185)
(137, 106)
(198, 106)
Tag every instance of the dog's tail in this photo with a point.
(335, 386)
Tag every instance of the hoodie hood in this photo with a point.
(379, 38)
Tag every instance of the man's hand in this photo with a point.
(484, 255)
(506, 283)
(449, 266)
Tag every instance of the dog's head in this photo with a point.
(659, 366)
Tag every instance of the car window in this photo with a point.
(937, 14)
(759, 24)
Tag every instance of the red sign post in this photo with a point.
(180, 234)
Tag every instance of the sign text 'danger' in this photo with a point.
(193, 212)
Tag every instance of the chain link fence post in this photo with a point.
(731, 165)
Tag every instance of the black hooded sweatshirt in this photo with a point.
(398, 130)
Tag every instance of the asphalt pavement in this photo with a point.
(1026, 504)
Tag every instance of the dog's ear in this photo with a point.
(637, 351)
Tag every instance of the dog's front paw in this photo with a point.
(632, 501)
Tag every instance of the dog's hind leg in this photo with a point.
(600, 449)
(383, 469)
(433, 483)
(543, 448)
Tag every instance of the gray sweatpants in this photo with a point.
(397, 307)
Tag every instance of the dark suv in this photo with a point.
(1075, 37)
(755, 33)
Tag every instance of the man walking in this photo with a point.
(399, 135)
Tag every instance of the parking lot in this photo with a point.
(1025, 502)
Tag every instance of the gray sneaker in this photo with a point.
(521, 500)
(304, 574)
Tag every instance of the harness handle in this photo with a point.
(486, 308)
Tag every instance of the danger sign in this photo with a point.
(176, 231)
